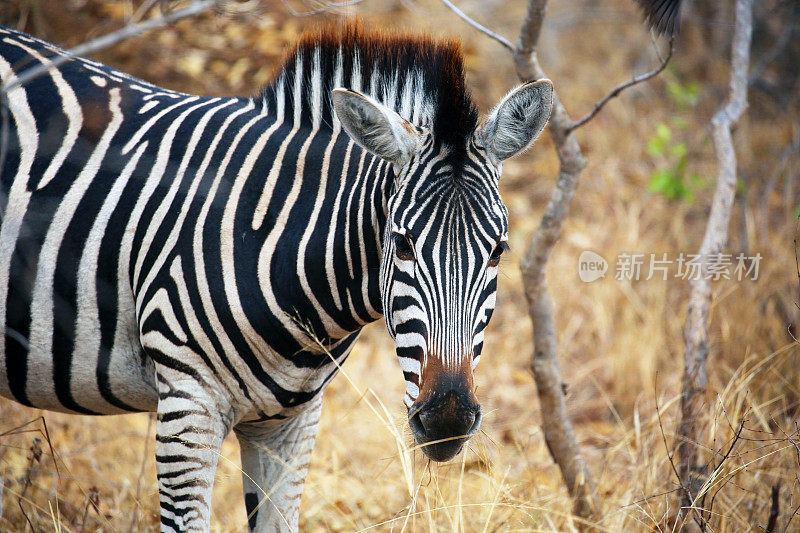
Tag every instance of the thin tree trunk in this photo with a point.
(716, 235)
(556, 424)
(558, 431)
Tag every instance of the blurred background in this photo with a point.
(647, 189)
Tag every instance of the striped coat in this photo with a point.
(214, 259)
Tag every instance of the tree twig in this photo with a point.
(716, 235)
(557, 427)
(737, 436)
(89, 47)
(621, 87)
(324, 7)
(530, 32)
(670, 455)
(110, 39)
(478, 26)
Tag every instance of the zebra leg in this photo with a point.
(275, 458)
(189, 434)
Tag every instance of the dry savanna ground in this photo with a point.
(620, 342)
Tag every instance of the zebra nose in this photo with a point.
(442, 424)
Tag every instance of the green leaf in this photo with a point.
(670, 185)
(679, 150)
(655, 147)
(663, 132)
(660, 181)
(683, 95)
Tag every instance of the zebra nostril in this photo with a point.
(476, 424)
(417, 427)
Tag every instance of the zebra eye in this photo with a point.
(403, 247)
(494, 259)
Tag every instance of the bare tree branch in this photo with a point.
(531, 29)
(619, 88)
(557, 427)
(556, 424)
(319, 6)
(142, 9)
(131, 30)
(499, 38)
(716, 235)
(110, 39)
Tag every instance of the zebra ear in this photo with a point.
(517, 120)
(375, 127)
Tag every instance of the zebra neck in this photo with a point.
(318, 222)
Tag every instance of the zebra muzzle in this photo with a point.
(444, 421)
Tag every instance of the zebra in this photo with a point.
(213, 259)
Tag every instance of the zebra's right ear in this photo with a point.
(376, 128)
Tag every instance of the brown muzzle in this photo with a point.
(446, 414)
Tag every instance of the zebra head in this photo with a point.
(446, 229)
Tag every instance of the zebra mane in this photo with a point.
(419, 77)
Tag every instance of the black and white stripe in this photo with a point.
(210, 258)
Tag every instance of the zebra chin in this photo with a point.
(446, 414)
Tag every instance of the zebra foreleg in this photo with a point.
(191, 427)
(275, 459)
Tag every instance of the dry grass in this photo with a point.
(620, 342)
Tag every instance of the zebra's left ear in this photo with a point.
(517, 120)
(375, 127)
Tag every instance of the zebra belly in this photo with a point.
(126, 384)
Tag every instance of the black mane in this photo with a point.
(389, 60)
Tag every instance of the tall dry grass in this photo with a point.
(620, 342)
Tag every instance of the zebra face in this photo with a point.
(446, 230)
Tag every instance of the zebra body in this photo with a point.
(210, 144)
(214, 259)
